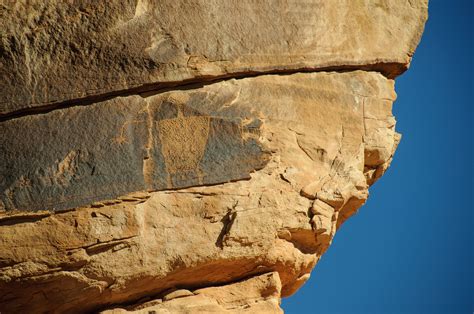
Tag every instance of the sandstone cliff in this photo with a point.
(188, 156)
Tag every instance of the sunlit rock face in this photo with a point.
(188, 156)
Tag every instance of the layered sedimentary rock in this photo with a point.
(321, 137)
(61, 52)
(259, 294)
(188, 156)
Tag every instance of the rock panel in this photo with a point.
(55, 52)
(77, 156)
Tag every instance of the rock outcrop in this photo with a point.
(188, 156)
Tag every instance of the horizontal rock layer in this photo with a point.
(260, 294)
(56, 52)
(198, 137)
(69, 158)
(328, 136)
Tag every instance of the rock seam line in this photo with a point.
(150, 89)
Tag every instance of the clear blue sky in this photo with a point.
(410, 248)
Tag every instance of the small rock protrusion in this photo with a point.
(181, 293)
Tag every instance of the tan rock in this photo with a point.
(245, 134)
(259, 294)
(56, 51)
(181, 293)
(314, 125)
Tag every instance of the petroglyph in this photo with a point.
(147, 160)
(67, 168)
(183, 142)
(142, 145)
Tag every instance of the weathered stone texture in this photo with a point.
(259, 294)
(283, 219)
(188, 156)
(62, 51)
(69, 158)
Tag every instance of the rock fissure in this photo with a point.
(101, 246)
(158, 88)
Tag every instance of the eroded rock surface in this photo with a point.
(322, 132)
(216, 197)
(259, 294)
(124, 145)
(62, 51)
